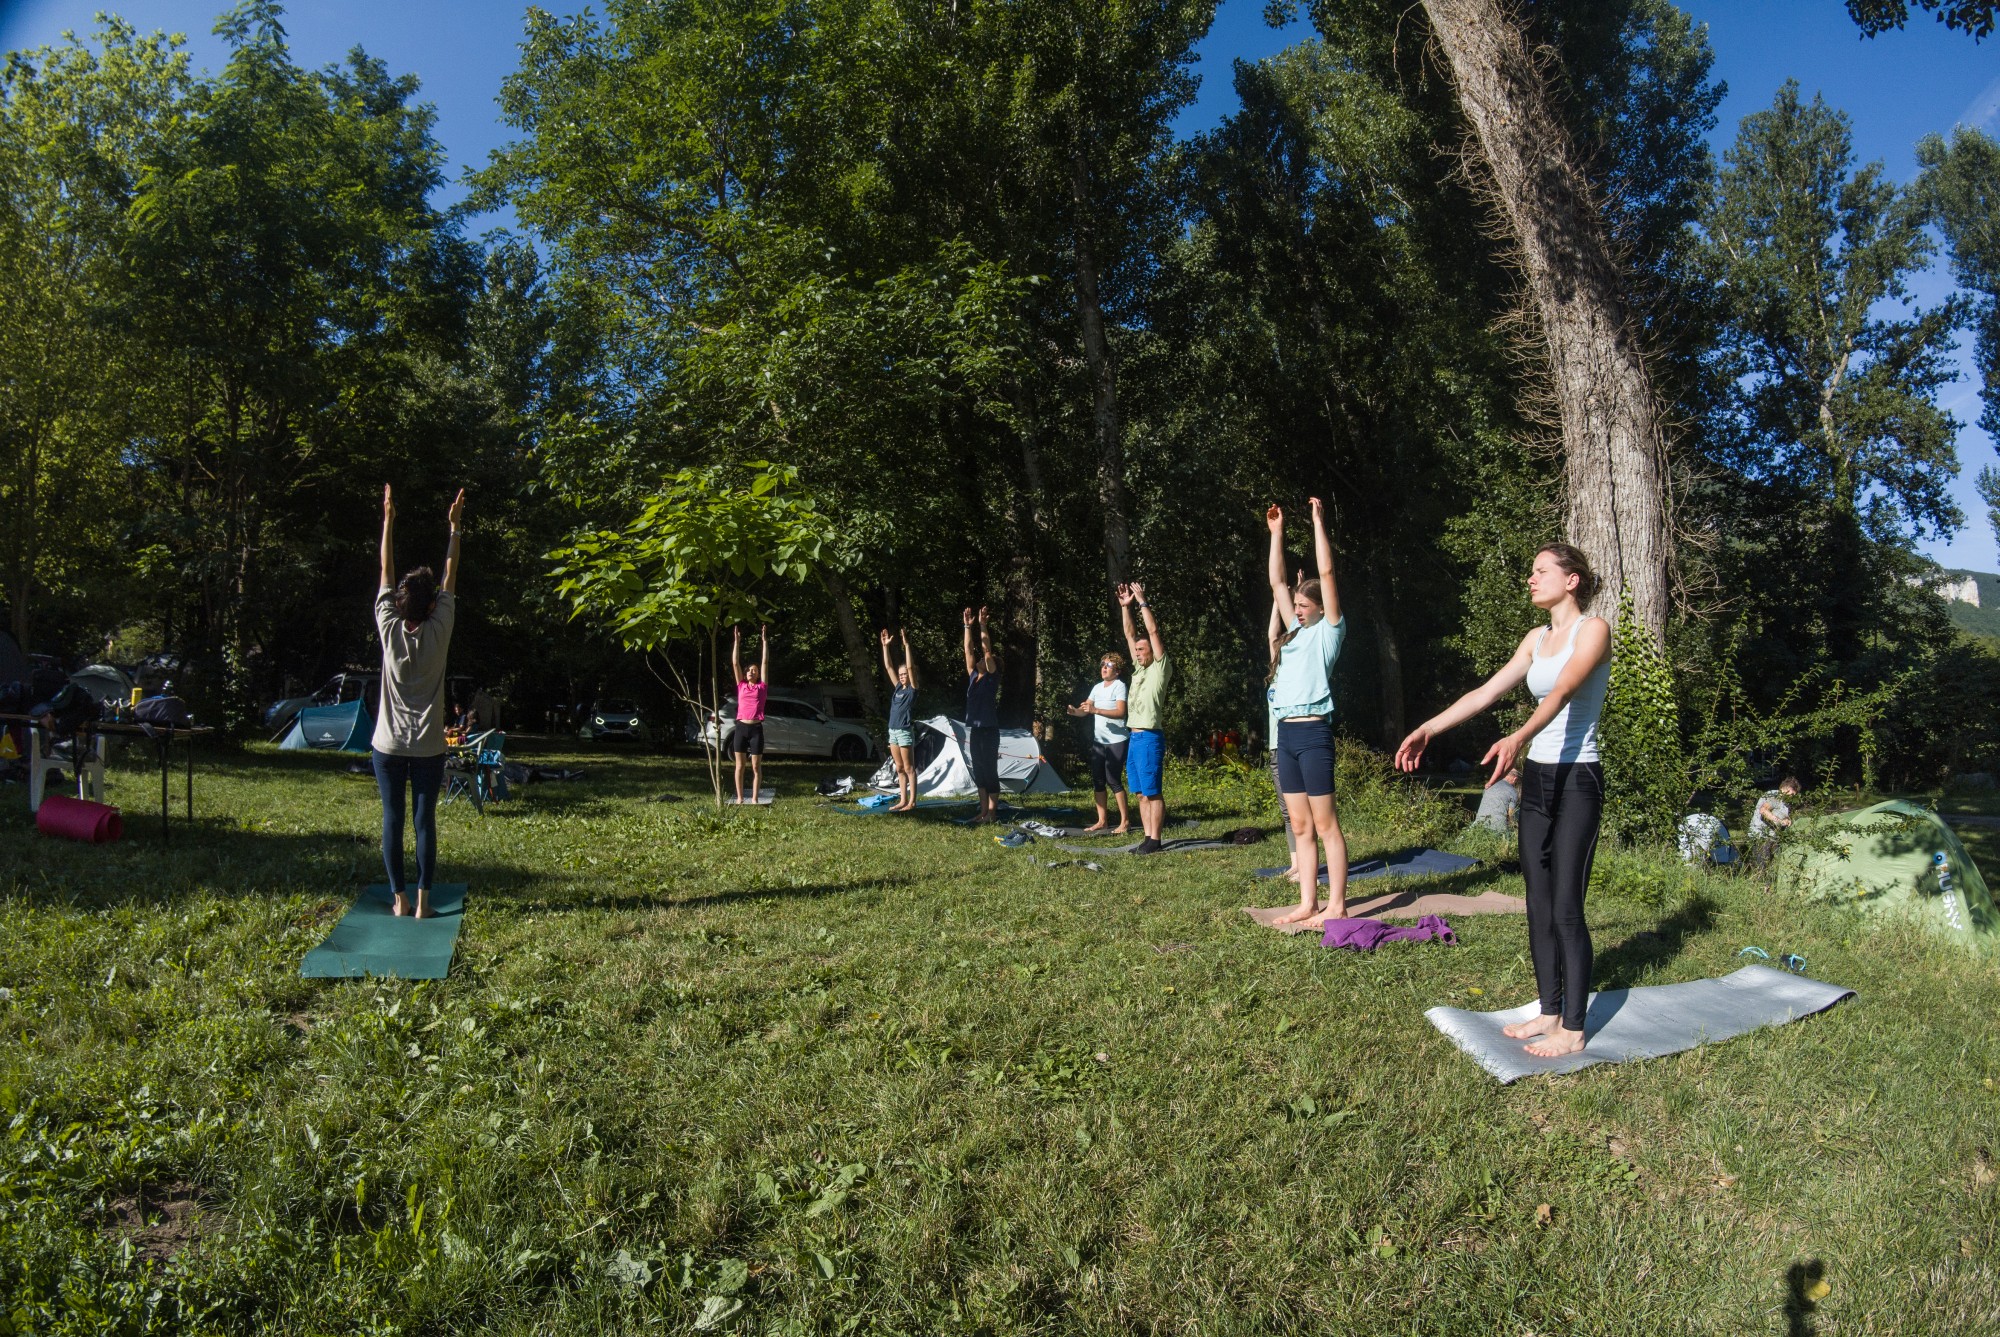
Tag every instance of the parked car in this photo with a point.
(796, 728)
(613, 719)
(338, 690)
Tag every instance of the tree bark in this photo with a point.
(861, 655)
(1611, 431)
(1103, 380)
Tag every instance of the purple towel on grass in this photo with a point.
(1365, 935)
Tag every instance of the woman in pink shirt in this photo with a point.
(747, 739)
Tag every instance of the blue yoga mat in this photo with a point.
(1403, 863)
(855, 810)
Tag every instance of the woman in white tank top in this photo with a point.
(1567, 667)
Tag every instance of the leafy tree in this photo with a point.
(76, 126)
(1828, 416)
(692, 563)
(1968, 16)
(1961, 183)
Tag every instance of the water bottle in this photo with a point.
(1942, 867)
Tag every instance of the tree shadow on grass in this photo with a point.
(1624, 965)
(811, 891)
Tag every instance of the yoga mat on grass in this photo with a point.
(1646, 1022)
(79, 819)
(1403, 863)
(1182, 845)
(856, 810)
(371, 940)
(1400, 905)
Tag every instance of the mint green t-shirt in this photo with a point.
(1304, 685)
(1149, 684)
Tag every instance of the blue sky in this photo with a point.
(1896, 88)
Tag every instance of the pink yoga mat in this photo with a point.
(79, 819)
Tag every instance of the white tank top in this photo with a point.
(1572, 734)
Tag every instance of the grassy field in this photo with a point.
(792, 1071)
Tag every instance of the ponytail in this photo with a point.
(1572, 561)
(1309, 588)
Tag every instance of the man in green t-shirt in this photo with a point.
(1146, 750)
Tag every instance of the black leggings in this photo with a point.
(1561, 805)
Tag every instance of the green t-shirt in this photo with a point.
(1149, 684)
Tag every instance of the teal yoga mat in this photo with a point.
(371, 940)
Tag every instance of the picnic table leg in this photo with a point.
(163, 745)
(190, 777)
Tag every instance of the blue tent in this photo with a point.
(343, 728)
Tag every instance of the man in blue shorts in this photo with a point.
(1146, 751)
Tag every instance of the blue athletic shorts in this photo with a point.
(1305, 757)
(1145, 760)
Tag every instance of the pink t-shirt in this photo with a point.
(750, 701)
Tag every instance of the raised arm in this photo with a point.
(909, 660)
(1593, 644)
(887, 667)
(1329, 593)
(1125, 597)
(1152, 626)
(1281, 595)
(736, 653)
(1482, 697)
(451, 551)
(388, 539)
(763, 654)
(970, 668)
(985, 640)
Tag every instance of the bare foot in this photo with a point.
(1122, 829)
(1298, 913)
(400, 908)
(1095, 827)
(1526, 1030)
(1562, 1041)
(424, 910)
(1332, 912)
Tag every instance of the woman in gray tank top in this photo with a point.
(414, 617)
(1566, 666)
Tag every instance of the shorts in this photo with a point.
(985, 758)
(1145, 762)
(747, 739)
(902, 738)
(1305, 757)
(1107, 765)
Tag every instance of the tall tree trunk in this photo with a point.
(1103, 380)
(1610, 419)
(1388, 654)
(1020, 640)
(861, 655)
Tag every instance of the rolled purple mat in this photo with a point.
(79, 819)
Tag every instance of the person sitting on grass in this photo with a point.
(746, 740)
(982, 717)
(1108, 736)
(1500, 803)
(414, 617)
(1145, 746)
(902, 733)
(1301, 701)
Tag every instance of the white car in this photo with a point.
(795, 728)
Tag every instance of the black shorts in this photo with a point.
(747, 740)
(985, 758)
(1305, 757)
(1107, 765)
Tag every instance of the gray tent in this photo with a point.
(108, 686)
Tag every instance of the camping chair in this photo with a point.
(86, 761)
(475, 770)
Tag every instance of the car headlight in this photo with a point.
(598, 720)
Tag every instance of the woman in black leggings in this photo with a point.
(1567, 666)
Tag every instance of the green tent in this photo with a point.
(343, 728)
(1888, 859)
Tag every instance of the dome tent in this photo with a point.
(347, 727)
(945, 771)
(1887, 859)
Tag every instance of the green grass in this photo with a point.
(788, 1071)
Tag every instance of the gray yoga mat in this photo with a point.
(1646, 1022)
(1182, 846)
